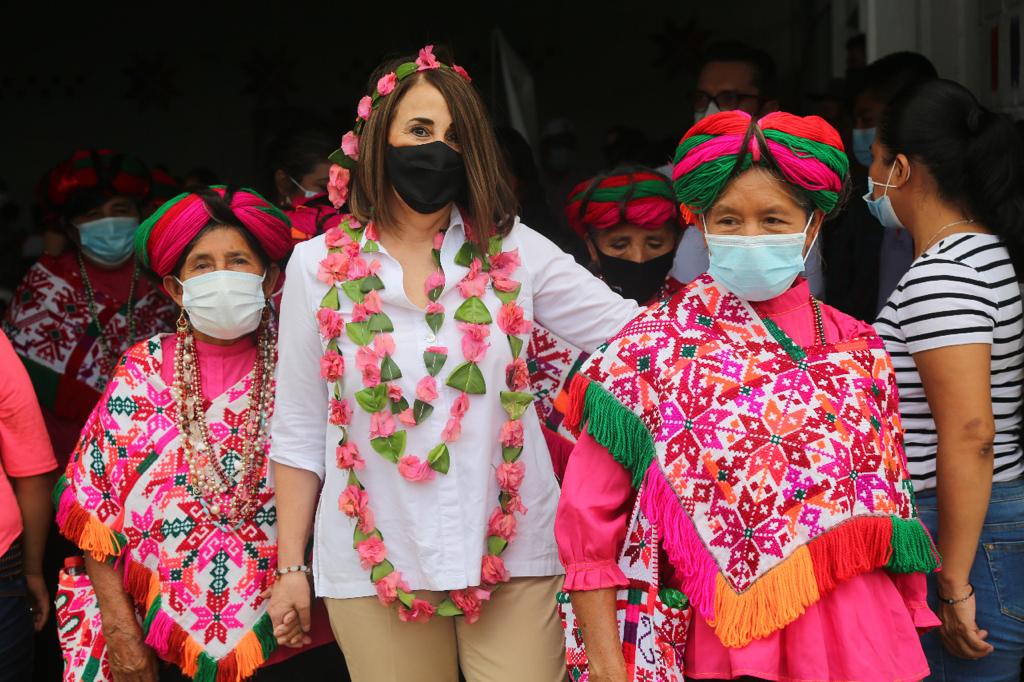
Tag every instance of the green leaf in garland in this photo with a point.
(508, 296)
(405, 70)
(439, 459)
(515, 403)
(355, 234)
(359, 536)
(339, 157)
(496, 545)
(353, 291)
(353, 479)
(447, 609)
(389, 370)
(379, 322)
(371, 283)
(333, 345)
(494, 246)
(373, 399)
(359, 332)
(406, 598)
(468, 378)
(330, 299)
(391, 447)
(370, 246)
(421, 410)
(511, 454)
(399, 406)
(466, 254)
(434, 362)
(381, 570)
(516, 344)
(474, 311)
(435, 293)
(434, 321)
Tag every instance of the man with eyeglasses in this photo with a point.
(732, 76)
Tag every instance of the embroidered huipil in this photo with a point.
(53, 332)
(436, 530)
(196, 582)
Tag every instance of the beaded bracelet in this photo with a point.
(952, 602)
(301, 568)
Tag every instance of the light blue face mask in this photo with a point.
(108, 241)
(881, 208)
(863, 138)
(305, 192)
(757, 268)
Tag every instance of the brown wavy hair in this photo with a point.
(488, 205)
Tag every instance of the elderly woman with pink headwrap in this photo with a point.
(168, 491)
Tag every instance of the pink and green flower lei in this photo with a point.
(346, 271)
(346, 158)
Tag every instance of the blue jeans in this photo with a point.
(16, 633)
(998, 579)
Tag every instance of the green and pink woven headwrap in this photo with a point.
(806, 150)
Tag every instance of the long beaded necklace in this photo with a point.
(208, 479)
(108, 355)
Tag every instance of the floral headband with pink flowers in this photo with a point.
(345, 160)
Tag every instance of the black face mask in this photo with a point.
(638, 281)
(428, 177)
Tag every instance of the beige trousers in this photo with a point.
(517, 639)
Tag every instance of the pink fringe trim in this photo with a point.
(67, 501)
(159, 636)
(691, 559)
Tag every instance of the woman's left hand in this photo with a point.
(960, 633)
(38, 599)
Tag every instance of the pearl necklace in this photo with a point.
(208, 480)
(931, 242)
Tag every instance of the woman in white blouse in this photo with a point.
(402, 391)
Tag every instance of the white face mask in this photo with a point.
(224, 304)
(305, 192)
(712, 109)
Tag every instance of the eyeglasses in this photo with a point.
(726, 100)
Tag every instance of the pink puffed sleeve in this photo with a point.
(593, 512)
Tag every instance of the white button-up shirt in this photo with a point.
(435, 531)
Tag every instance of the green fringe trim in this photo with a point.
(264, 631)
(58, 490)
(912, 548)
(672, 598)
(617, 428)
(206, 669)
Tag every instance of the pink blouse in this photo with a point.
(874, 612)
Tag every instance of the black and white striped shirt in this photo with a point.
(962, 290)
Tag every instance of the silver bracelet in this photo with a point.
(301, 568)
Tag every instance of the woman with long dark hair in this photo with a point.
(949, 171)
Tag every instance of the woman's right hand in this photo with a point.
(131, 659)
(290, 599)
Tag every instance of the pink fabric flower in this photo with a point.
(394, 392)
(371, 552)
(517, 375)
(438, 241)
(427, 60)
(334, 268)
(515, 504)
(365, 357)
(415, 469)
(493, 571)
(452, 430)
(353, 501)
(469, 601)
(474, 340)
(475, 281)
(337, 185)
(371, 376)
(360, 313)
(460, 406)
(440, 350)
(504, 285)
(434, 307)
(511, 433)
(421, 612)
(435, 280)
(347, 457)
(462, 72)
(331, 324)
(512, 320)
(388, 586)
(407, 417)
(371, 232)
(426, 389)
(382, 424)
(372, 302)
(387, 83)
(505, 264)
(365, 522)
(383, 344)
(510, 476)
(502, 525)
(350, 144)
(332, 365)
(365, 107)
(340, 412)
(357, 268)
(336, 237)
